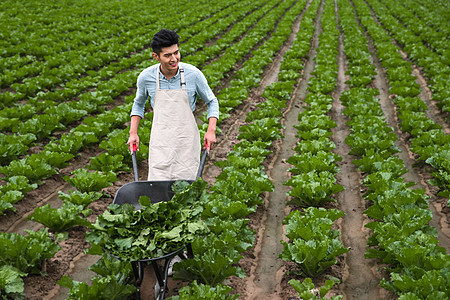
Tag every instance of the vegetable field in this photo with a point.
(330, 178)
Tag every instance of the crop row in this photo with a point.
(401, 235)
(84, 182)
(313, 245)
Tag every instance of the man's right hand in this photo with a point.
(133, 140)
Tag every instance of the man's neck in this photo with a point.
(168, 73)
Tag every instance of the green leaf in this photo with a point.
(11, 282)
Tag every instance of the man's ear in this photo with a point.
(155, 56)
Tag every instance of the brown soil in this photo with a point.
(267, 275)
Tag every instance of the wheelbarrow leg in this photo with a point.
(138, 270)
(162, 277)
(190, 253)
(162, 282)
(165, 289)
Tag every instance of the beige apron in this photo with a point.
(175, 140)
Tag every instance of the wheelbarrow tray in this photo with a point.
(156, 191)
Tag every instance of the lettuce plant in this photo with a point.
(60, 219)
(198, 291)
(26, 253)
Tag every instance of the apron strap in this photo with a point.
(157, 77)
(183, 82)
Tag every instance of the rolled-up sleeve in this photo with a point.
(140, 99)
(205, 92)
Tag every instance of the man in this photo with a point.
(173, 88)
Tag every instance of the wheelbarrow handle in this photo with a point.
(135, 169)
(202, 162)
(200, 169)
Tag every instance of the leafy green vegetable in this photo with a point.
(57, 160)
(244, 185)
(313, 246)
(375, 161)
(72, 142)
(307, 291)
(18, 183)
(313, 189)
(363, 142)
(238, 161)
(313, 256)
(424, 285)
(40, 125)
(195, 291)
(7, 199)
(221, 205)
(155, 229)
(32, 167)
(13, 146)
(266, 129)
(234, 232)
(79, 198)
(263, 113)
(26, 253)
(395, 199)
(311, 121)
(109, 265)
(441, 161)
(102, 288)
(311, 223)
(60, 219)
(315, 146)
(106, 162)
(214, 263)
(11, 284)
(86, 181)
(308, 162)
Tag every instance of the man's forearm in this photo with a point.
(134, 138)
(212, 122)
(134, 124)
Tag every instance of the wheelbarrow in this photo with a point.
(156, 191)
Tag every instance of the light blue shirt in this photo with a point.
(196, 85)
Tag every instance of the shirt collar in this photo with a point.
(161, 75)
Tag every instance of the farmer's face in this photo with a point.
(169, 59)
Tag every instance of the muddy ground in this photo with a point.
(267, 275)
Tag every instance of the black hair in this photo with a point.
(162, 39)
